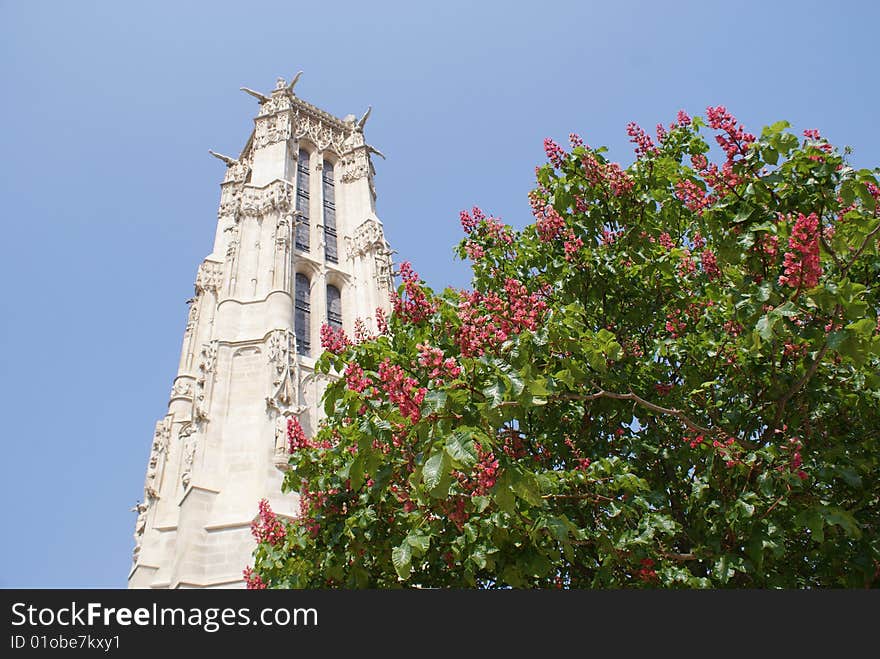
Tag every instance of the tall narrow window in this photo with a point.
(302, 315)
(302, 201)
(330, 249)
(334, 307)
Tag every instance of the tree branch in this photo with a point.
(678, 414)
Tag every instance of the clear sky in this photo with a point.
(109, 196)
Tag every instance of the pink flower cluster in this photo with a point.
(692, 195)
(334, 339)
(644, 144)
(381, 321)
(796, 446)
(683, 118)
(661, 133)
(646, 572)
(491, 228)
(402, 390)
(488, 320)
(737, 140)
(268, 528)
(676, 324)
(296, 437)
(582, 462)
(710, 264)
(252, 580)
(312, 501)
(297, 440)
(611, 174)
(666, 240)
(554, 152)
(361, 333)
(801, 262)
(572, 245)
(414, 305)
(438, 366)
(485, 472)
(355, 378)
(549, 223)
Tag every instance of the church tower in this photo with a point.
(298, 245)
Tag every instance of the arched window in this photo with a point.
(334, 307)
(302, 200)
(330, 248)
(302, 315)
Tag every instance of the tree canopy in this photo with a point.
(670, 378)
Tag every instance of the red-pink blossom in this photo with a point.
(414, 305)
(554, 152)
(644, 144)
(334, 339)
(267, 527)
(801, 263)
(736, 140)
(252, 580)
(710, 264)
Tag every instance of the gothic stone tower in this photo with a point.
(298, 244)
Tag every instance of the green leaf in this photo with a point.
(356, 472)
(843, 519)
(401, 557)
(525, 485)
(744, 510)
(503, 495)
(863, 328)
(538, 386)
(419, 542)
(434, 402)
(847, 192)
(435, 474)
(460, 447)
(865, 195)
(812, 519)
(558, 527)
(495, 393)
(432, 471)
(765, 326)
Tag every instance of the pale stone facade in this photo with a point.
(298, 245)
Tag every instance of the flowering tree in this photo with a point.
(670, 378)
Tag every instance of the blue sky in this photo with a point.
(110, 197)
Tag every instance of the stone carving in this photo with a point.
(237, 172)
(139, 527)
(280, 453)
(284, 369)
(276, 196)
(231, 255)
(187, 434)
(193, 315)
(272, 128)
(262, 98)
(230, 202)
(384, 272)
(209, 277)
(207, 367)
(161, 437)
(229, 161)
(282, 233)
(181, 389)
(367, 237)
(356, 165)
